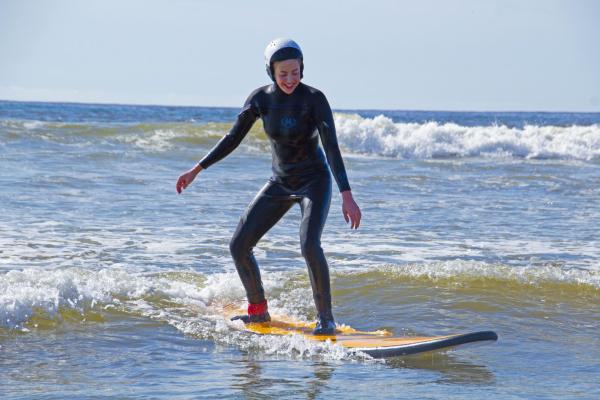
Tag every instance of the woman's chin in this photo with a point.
(288, 90)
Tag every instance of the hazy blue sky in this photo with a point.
(435, 55)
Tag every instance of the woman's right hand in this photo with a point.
(187, 178)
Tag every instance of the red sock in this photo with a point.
(258, 308)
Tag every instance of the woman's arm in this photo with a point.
(225, 146)
(229, 142)
(326, 127)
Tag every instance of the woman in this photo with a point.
(294, 116)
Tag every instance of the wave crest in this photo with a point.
(381, 136)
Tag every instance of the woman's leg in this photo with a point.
(315, 207)
(259, 217)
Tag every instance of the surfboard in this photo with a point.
(377, 344)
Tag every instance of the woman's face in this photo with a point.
(287, 74)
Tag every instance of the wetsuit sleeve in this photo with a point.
(229, 142)
(326, 127)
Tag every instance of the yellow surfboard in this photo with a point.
(378, 344)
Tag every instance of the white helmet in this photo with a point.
(282, 49)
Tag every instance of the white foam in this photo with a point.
(157, 140)
(47, 291)
(532, 274)
(382, 136)
(232, 333)
(365, 136)
(33, 124)
(199, 298)
(36, 290)
(22, 292)
(192, 302)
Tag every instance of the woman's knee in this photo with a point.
(239, 247)
(311, 249)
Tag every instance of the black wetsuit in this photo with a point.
(293, 124)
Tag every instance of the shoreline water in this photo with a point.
(110, 282)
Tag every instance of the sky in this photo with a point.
(464, 55)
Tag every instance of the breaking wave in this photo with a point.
(381, 136)
(378, 136)
(32, 296)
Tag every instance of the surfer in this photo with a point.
(294, 116)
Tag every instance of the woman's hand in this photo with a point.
(350, 210)
(187, 178)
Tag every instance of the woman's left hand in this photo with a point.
(350, 210)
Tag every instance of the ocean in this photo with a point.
(111, 283)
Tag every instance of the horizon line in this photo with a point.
(333, 109)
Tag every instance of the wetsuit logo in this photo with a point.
(288, 122)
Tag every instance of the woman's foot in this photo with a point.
(248, 319)
(325, 326)
(257, 312)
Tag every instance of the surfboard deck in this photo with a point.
(377, 344)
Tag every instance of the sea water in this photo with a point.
(112, 285)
